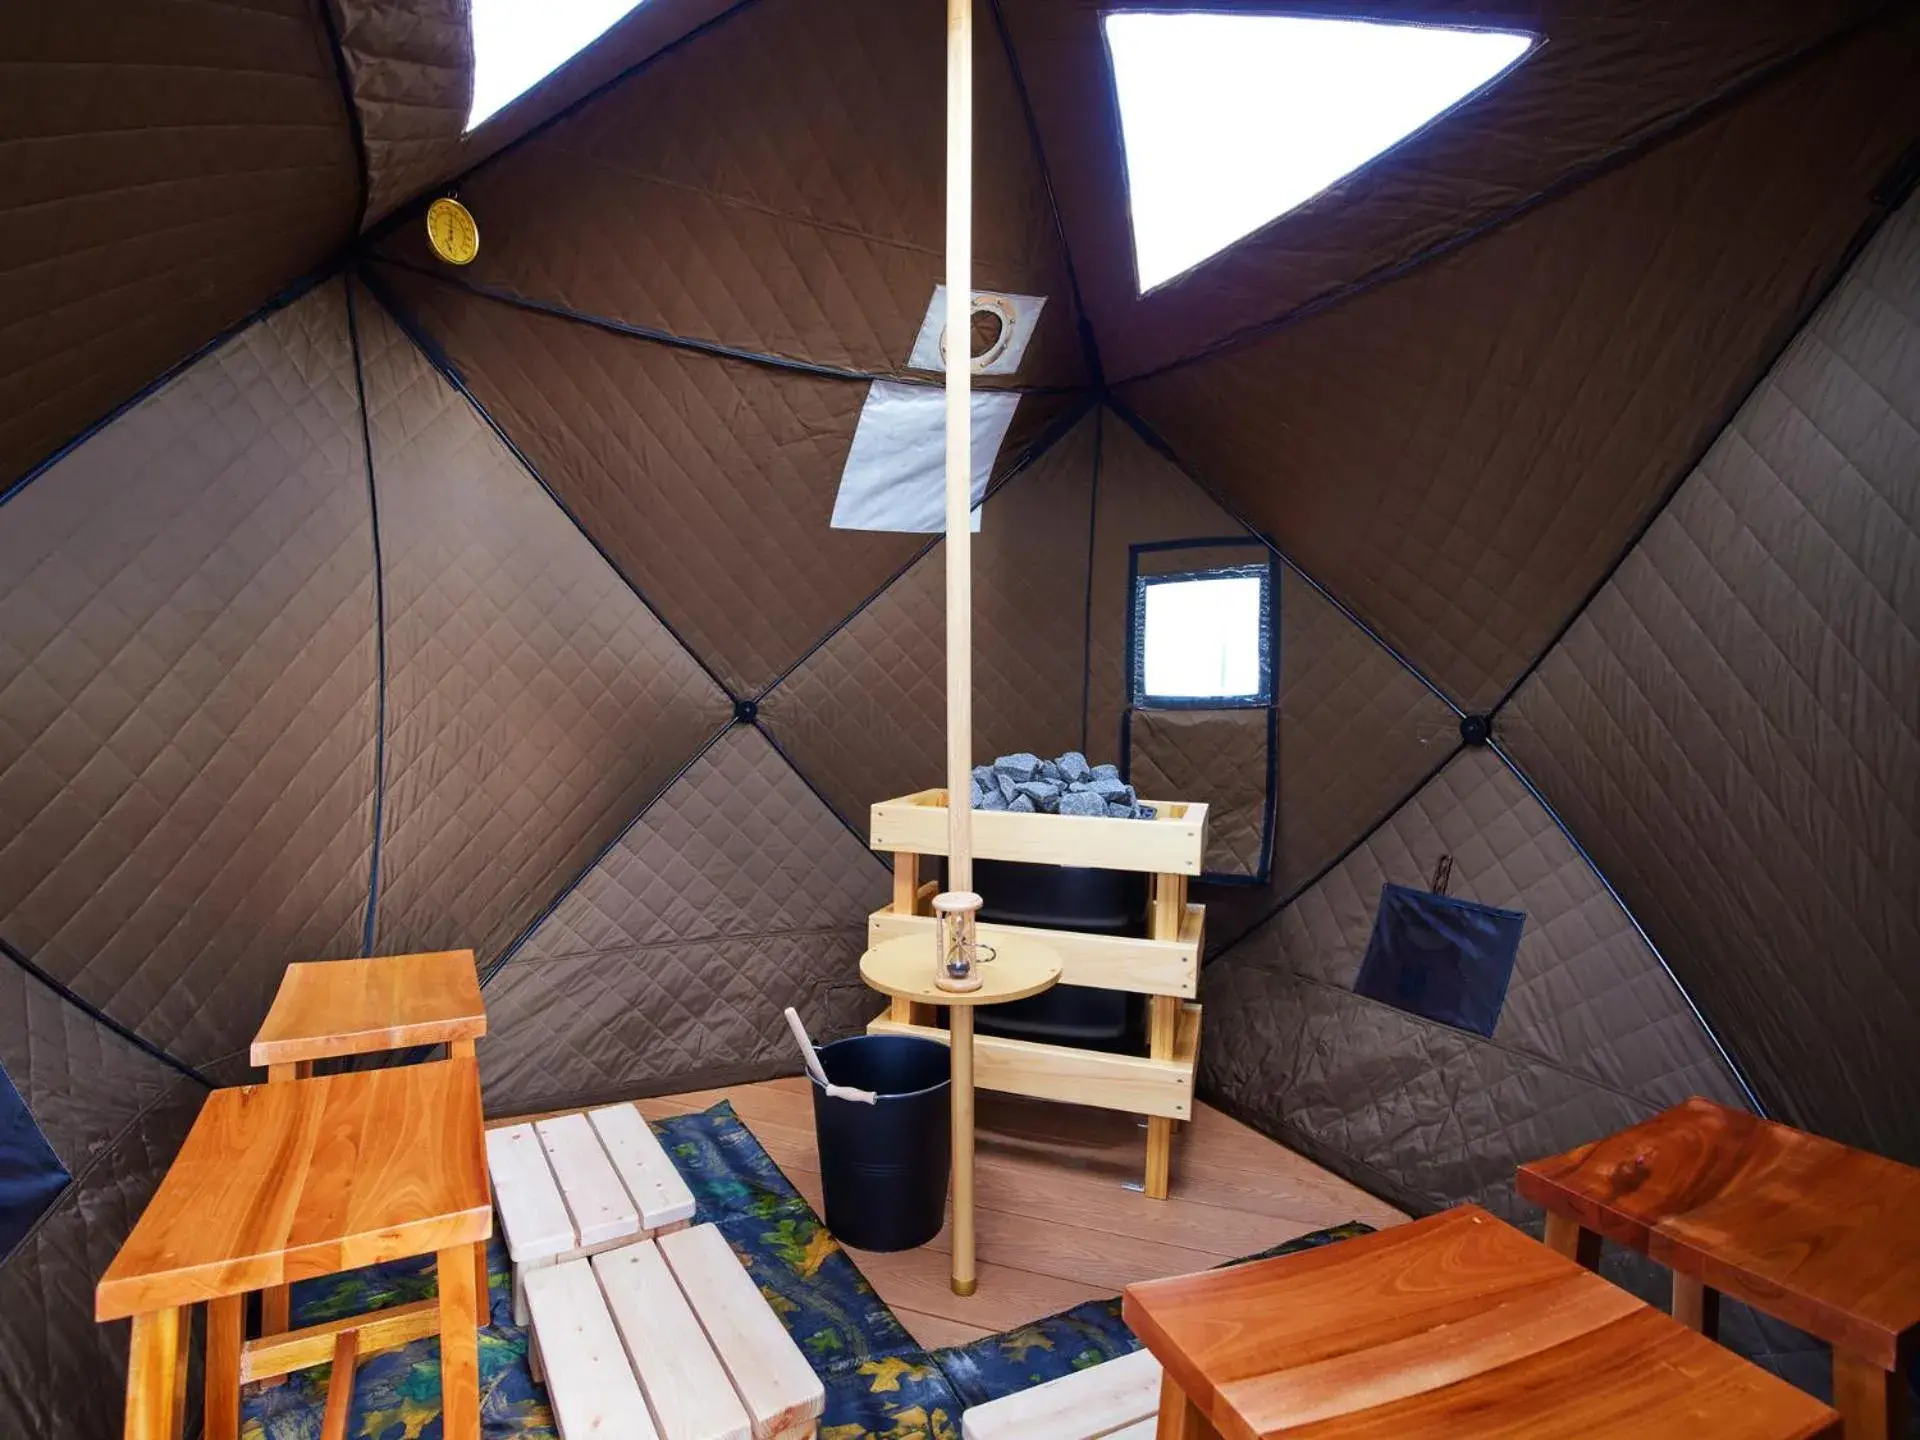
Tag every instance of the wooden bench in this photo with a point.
(575, 1185)
(1119, 1400)
(668, 1339)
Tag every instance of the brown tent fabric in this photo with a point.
(1746, 692)
(186, 621)
(737, 894)
(1460, 454)
(387, 605)
(533, 701)
(169, 166)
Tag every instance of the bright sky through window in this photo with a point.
(1203, 638)
(518, 43)
(1231, 120)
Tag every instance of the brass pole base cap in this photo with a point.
(965, 1287)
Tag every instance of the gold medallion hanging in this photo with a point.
(451, 231)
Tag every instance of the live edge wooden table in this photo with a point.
(277, 1183)
(903, 968)
(1810, 1231)
(1452, 1326)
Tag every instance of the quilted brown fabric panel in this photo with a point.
(410, 63)
(1733, 726)
(802, 216)
(1460, 454)
(410, 66)
(865, 717)
(1220, 756)
(738, 893)
(533, 702)
(1611, 73)
(60, 1373)
(710, 482)
(80, 1081)
(170, 165)
(187, 690)
(1357, 731)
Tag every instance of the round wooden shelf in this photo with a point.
(903, 967)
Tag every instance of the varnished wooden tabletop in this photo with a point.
(1811, 1231)
(327, 1008)
(284, 1182)
(904, 967)
(1454, 1325)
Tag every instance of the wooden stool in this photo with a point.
(1454, 1325)
(277, 1183)
(669, 1340)
(326, 1009)
(1808, 1230)
(575, 1185)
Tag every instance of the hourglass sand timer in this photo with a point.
(957, 962)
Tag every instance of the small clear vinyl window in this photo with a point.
(1202, 638)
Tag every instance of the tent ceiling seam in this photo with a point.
(355, 129)
(1089, 346)
(94, 1012)
(379, 631)
(710, 348)
(1886, 205)
(1726, 1056)
(1686, 120)
(448, 372)
(1152, 437)
(493, 968)
(410, 209)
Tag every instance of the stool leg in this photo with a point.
(1872, 1401)
(157, 1375)
(459, 1346)
(1180, 1418)
(225, 1321)
(1696, 1306)
(1565, 1235)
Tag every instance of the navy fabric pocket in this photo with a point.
(1441, 958)
(31, 1175)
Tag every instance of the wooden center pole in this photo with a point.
(960, 589)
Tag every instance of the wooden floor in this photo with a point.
(1057, 1224)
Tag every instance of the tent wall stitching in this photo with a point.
(1089, 347)
(344, 75)
(1688, 119)
(379, 630)
(94, 1012)
(451, 374)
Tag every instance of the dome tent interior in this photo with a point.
(353, 603)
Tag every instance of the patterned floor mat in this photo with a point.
(880, 1383)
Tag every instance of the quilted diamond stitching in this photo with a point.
(1464, 494)
(533, 700)
(1745, 675)
(187, 689)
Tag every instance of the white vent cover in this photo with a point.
(895, 476)
(1013, 317)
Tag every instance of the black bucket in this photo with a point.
(884, 1166)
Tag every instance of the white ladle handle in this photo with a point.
(812, 1057)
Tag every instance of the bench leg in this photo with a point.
(1565, 1235)
(157, 1375)
(1696, 1306)
(521, 1315)
(1872, 1401)
(1180, 1418)
(346, 1355)
(459, 1346)
(225, 1320)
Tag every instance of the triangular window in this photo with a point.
(517, 44)
(1232, 120)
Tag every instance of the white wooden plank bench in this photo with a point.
(668, 1340)
(575, 1185)
(1119, 1400)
